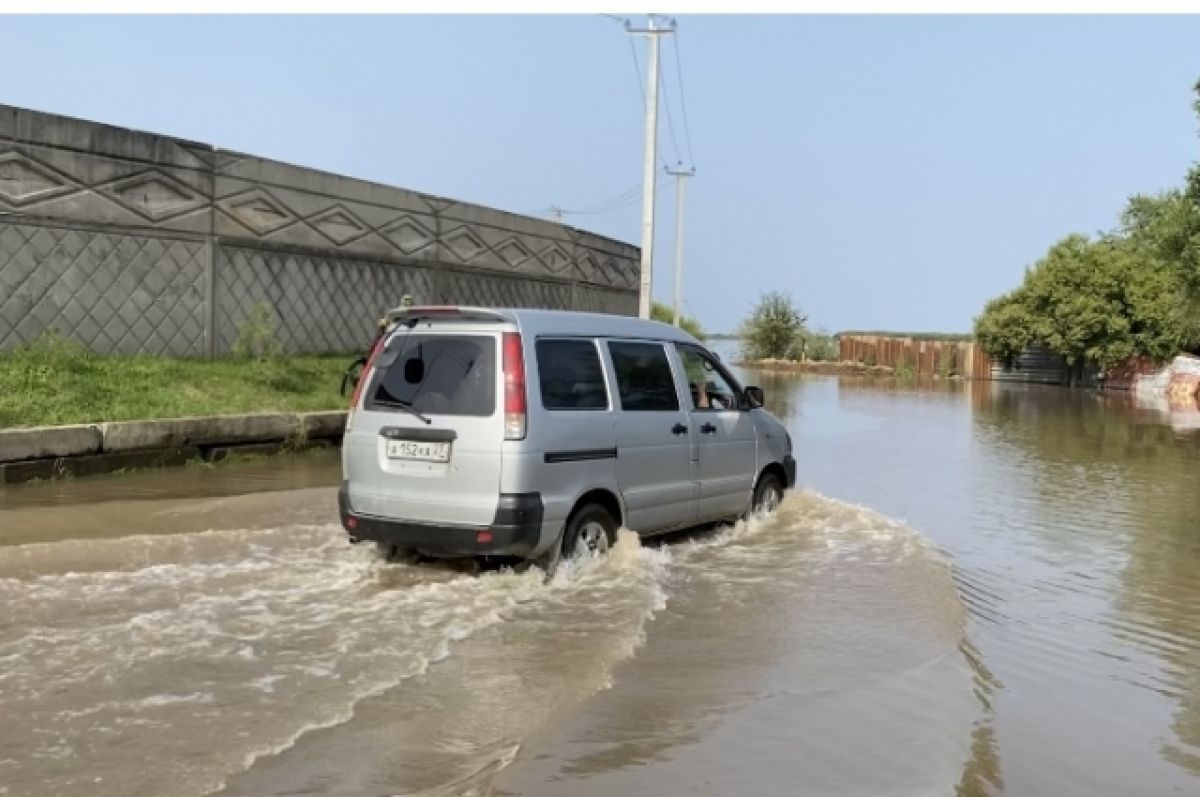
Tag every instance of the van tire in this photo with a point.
(592, 526)
(768, 494)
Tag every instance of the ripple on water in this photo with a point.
(167, 664)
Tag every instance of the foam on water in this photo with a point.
(166, 664)
(793, 648)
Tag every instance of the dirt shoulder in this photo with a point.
(813, 367)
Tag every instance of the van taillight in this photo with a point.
(362, 379)
(514, 387)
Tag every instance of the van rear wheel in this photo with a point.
(589, 534)
(396, 555)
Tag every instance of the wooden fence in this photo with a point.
(939, 357)
(923, 357)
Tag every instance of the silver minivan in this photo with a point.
(534, 435)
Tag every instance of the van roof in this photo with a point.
(553, 322)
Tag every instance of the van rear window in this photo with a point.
(436, 375)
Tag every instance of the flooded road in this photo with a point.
(1017, 611)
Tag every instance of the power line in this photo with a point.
(687, 131)
(670, 120)
(619, 199)
(637, 73)
(625, 199)
(626, 202)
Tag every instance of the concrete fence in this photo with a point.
(130, 242)
(45, 452)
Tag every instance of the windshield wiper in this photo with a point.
(403, 405)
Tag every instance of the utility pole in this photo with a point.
(680, 174)
(649, 168)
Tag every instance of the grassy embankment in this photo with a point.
(54, 382)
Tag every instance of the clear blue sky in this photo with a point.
(889, 172)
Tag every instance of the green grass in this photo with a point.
(54, 382)
(884, 333)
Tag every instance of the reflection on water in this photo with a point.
(981, 775)
(168, 501)
(312, 468)
(1073, 521)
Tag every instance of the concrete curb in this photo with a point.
(41, 442)
(175, 432)
(47, 451)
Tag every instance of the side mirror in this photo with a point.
(754, 396)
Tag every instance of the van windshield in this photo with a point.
(436, 375)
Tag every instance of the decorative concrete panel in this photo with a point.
(595, 299)
(134, 242)
(115, 293)
(331, 304)
(320, 304)
(495, 290)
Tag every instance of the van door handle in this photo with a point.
(679, 428)
(708, 428)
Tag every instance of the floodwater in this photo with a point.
(980, 589)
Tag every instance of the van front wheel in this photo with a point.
(589, 534)
(768, 494)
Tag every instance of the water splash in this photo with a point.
(167, 663)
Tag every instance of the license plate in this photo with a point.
(413, 449)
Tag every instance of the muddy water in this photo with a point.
(1018, 611)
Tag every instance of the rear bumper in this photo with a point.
(515, 530)
(789, 467)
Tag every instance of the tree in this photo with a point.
(774, 329)
(1162, 223)
(1164, 317)
(1075, 295)
(665, 314)
(1091, 301)
(1134, 291)
(1005, 328)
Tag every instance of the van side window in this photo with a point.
(709, 387)
(570, 375)
(644, 378)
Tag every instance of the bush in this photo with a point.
(820, 347)
(665, 314)
(774, 330)
(256, 336)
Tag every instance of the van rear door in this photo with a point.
(424, 444)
